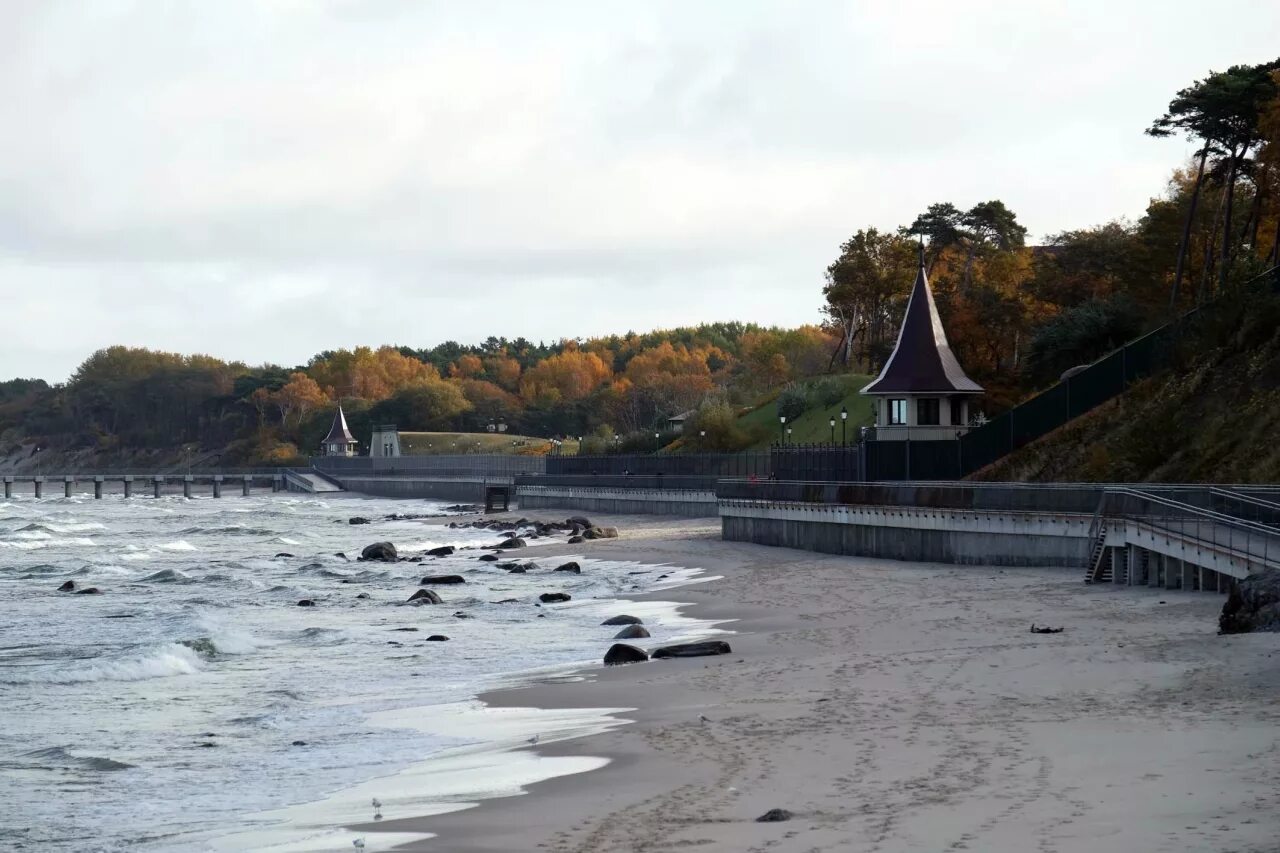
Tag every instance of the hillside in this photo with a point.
(1215, 417)
(823, 400)
(447, 443)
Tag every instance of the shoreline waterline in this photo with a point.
(228, 702)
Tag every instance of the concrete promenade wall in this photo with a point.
(469, 489)
(997, 538)
(689, 504)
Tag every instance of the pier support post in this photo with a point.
(97, 488)
(217, 485)
(275, 483)
(128, 487)
(186, 485)
(8, 487)
(1172, 573)
(246, 486)
(1155, 568)
(156, 483)
(66, 486)
(39, 481)
(1188, 576)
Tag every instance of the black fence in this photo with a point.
(671, 482)
(713, 465)
(1101, 381)
(460, 465)
(815, 462)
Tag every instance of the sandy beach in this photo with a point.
(906, 707)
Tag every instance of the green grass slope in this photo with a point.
(813, 427)
(447, 443)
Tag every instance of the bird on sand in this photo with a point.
(704, 718)
(533, 741)
(358, 844)
(377, 804)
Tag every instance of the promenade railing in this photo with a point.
(1258, 544)
(460, 465)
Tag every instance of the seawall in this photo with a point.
(682, 502)
(470, 489)
(918, 534)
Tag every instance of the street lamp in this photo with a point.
(656, 445)
(782, 427)
(832, 422)
(844, 418)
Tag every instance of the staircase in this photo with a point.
(1099, 568)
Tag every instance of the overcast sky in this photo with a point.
(265, 180)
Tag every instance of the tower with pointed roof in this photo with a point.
(922, 392)
(339, 441)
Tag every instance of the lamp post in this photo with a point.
(832, 422)
(788, 435)
(844, 419)
(782, 428)
(656, 445)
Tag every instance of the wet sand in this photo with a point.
(905, 707)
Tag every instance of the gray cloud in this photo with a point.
(263, 180)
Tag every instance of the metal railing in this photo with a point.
(666, 482)
(1256, 544)
(668, 464)
(460, 465)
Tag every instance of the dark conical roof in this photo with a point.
(338, 433)
(922, 360)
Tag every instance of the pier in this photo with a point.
(213, 481)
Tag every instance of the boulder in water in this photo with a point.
(364, 595)
(554, 597)
(358, 519)
(600, 533)
(306, 602)
(384, 551)
(621, 653)
(69, 586)
(513, 542)
(570, 566)
(774, 816)
(442, 551)
(489, 558)
(425, 596)
(623, 620)
(1253, 604)
(437, 638)
(576, 540)
(693, 650)
(517, 570)
(283, 554)
(436, 580)
(89, 590)
(632, 632)
(578, 521)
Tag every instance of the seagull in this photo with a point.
(533, 741)
(358, 844)
(377, 804)
(704, 718)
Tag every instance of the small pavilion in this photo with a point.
(339, 441)
(922, 393)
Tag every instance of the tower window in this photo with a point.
(928, 411)
(897, 412)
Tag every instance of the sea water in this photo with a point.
(194, 699)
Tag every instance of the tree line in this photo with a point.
(1018, 315)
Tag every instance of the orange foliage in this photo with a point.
(571, 375)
